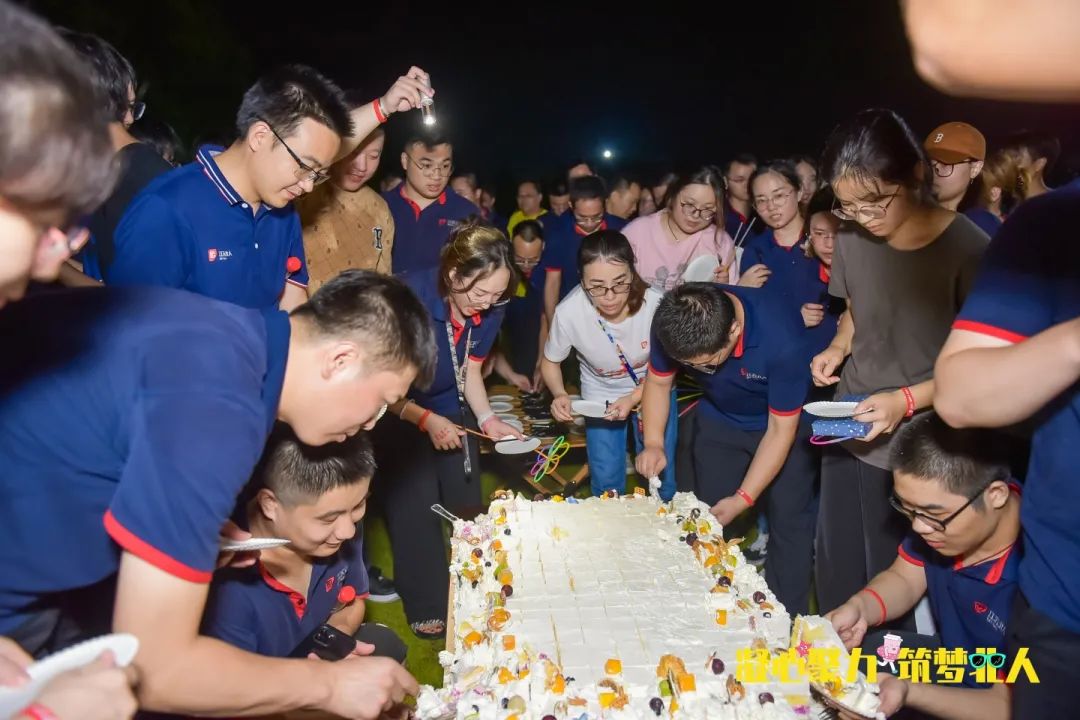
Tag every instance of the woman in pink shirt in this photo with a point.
(666, 242)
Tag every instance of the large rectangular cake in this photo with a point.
(608, 607)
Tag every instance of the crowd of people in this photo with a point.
(252, 343)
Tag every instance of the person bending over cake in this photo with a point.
(606, 319)
(954, 487)
(745, 348)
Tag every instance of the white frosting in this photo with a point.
(598, 580)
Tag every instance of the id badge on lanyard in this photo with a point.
(625, 363)
(459, 385)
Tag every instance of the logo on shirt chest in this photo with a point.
(329, 584)
(213, 254)
(339, 580)
(752, 376)
(992, 618)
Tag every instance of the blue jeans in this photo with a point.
(605, 442)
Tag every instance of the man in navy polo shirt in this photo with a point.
(133, 417)
(1013, 354)
(562, 237)
(316, 498)
(524, 330)
(744, 347)
(224, 226)
(424, 212)
(965, 520)
(740, 222)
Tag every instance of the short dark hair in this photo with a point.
(589, 187)
(476, 250)
(783, 168)
(55, 151)
(392, 324)
(694, 319)
(298, 474)
(705, 175)
(529, 231)
(612, 245)
(579, 161)
(964, 461)
(558, 188)
(622, 183)
(878, 145)
(158, 134)
(111, 72)
(287, 96)
(1038, 144)
(534, 183)
(796, 159)
(743, 158)
(428, 141)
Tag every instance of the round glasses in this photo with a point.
(596, 291)
(870, 212)
(693, 212)
(944, 170)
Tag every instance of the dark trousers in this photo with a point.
(1055, 656)
(68, 618)
(722, 453)
(413, 476)
(858, 530)
(684, 454)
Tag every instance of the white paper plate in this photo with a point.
(514, 423)
(701, 269)
(517, 447)
(506, 416)
(589, 408)
(500, 398)
(827, 699)
(123, 647)
(501, 406)
(574, 397)
(252, 544)
(830, 409)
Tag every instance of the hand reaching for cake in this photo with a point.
(651, 461)
(894, 693)
(849, 623)
(728, 509)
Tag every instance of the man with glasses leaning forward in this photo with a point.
(424, 212)
(224, 226)
(744, 347)
(954, 487)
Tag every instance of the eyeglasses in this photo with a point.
(137, 108)
(944, 170)
(619, 288)
(431, 170)
(706, 368)
(871, 212)
(526, 262)
(586, 222)
(480, 297)
(303, 170)
(777, 199)
(934, 523)
(693, 212)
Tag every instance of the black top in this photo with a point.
(139, 164)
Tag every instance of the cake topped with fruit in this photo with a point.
(607, 607)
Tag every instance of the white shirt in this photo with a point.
(603, 375)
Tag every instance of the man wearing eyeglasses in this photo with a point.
(744, 347)
(957, 152)
(954, 487)
(424, 212)
(224, 226)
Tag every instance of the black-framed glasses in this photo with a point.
(619, 288)
(871, 212)
(693, 212)
(777, 199)
(431, 170)
(304, 171)
(937, 524)
(138, 109)
(706, 368)
(944, 170)
(526, 262)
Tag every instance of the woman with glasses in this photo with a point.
(666, 242)
(425, 456)
(606, 320)
(904, 273)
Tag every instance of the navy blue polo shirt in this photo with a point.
(132, 419)
(971, 604)
(480, 331)
(250, 609)
(794, 275)
(766, 373)
(1029, 281)
(562, 240)
(521, 327)
(419, 235)
(190, 229)
(740, 227)
(986, 220)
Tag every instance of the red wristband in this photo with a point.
(910, 398)
(880, 602)
(37, 711)
(379, 114)
(423, 419)
(746, 497)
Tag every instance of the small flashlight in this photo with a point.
(427, 106)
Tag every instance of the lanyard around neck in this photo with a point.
(618, 350)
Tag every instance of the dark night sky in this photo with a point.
(524, 89)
